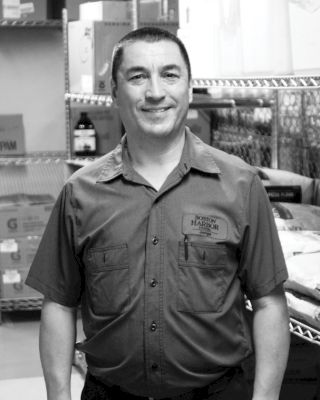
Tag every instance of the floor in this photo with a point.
(20, 369)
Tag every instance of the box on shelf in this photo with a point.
(22, 215)
(73, 8)
(108, 11)
(158, 11)
(18, 252)
(13, 286)
(90, 50)
(107, 124)
(24, 9)
(12, 136)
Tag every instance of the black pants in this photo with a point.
(233, 386)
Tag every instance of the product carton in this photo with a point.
(24, 9)
(23, 215)
(73, 8)
(12, 285)
(18, 252)
(158, 11)
(12, 138)
(108, 11)
(90, 50)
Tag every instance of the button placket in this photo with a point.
(153, 276)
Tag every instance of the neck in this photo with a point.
(155, 151)
(155, 159)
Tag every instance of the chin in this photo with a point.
(159, 130)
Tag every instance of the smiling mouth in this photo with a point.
(156, 110)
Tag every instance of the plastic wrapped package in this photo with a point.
(299, 232)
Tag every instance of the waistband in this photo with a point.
(115, 392)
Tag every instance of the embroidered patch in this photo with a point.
(204, 225)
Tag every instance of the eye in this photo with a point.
(171, 76)
(137, 78)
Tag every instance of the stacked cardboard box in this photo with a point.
(90, 51)
(36, 10)
(12, 136)
(23, 219)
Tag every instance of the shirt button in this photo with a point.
(154, 366)
(153, 283)
(155, 240)
(153, 326)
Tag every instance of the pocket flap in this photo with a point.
(203, 255)
(114, 257)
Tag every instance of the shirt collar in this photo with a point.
(196, 154)
(112, 163)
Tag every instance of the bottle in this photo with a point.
(84, 136)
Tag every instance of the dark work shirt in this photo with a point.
(161, 275)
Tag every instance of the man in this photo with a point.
(159, 241)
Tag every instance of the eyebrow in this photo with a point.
(138, 68)
(134, 69)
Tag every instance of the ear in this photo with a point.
(190, 92)
(113, 86)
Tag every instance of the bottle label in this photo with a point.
(84, 132)
(84, 144)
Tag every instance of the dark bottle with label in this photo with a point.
(84, 137)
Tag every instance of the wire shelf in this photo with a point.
(91, 99)
(23, 23)
(21, 304)
(304, 331)
(276, 82)
(298, 328)
(41, 175)
(34, 158)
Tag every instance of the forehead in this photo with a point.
(150, 54)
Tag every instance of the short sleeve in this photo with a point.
(262, 264)
(56, 271)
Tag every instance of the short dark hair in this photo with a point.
(148, 34)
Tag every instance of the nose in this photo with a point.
(155, 90)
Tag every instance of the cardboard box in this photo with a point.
(107, 124)
(12, 285)
(12, 137)
(73, 8)
(21, 216)
(108, 11)
(158, 11)
(18, 252)
(90, 50)
(35, 10)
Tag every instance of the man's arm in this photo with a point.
(271, 337)
(57, 339)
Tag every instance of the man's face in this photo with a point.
(153, 89)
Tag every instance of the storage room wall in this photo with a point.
(32, 84)
(305, 36)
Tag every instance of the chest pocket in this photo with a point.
(202, 285)
(108, 279)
